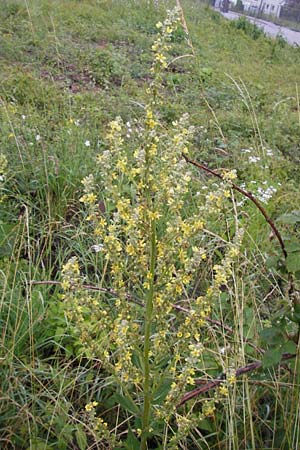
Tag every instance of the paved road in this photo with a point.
(292, 37)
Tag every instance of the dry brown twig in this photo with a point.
(215, 383)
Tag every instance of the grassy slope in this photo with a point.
(63, 61)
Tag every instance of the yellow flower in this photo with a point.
(65, 284)
(190, 381)
(90, 406)
(153, 215)
(223, 390)
(88, 199)
(231, 378)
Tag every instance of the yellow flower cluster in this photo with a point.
(90, 406)
(208, 408)
(223, 390)
(99, 426)
(229, 175)
(160, 48)
(71, 274)
(222, 272)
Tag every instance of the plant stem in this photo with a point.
(148, 324)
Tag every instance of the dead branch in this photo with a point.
(215, 383)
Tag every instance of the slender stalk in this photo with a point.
(148, 324)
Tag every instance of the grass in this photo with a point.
(69, 67)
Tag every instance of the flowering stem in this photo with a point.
(148, 324)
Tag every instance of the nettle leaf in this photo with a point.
(271, 358)
(289, 347)
(293, 262)
(292, 246)
(272, 336)
(127, 403)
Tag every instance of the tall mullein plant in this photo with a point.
(150, 244)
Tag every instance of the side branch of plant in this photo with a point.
(217, 382)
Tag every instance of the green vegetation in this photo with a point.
(147, 302)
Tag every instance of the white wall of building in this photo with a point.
(270, 7)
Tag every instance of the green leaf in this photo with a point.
(161, 392)
(81, 438)
(132, 443)
(39, 444)
(127, 403)
(293, 262)
(137, 360)
(297, 275)
(271, 358)
(290, 218)
(272, 336)
(289, 347)
(292, 246)
(206, 425)
(61, 444)
(296, 314)
(7, 236)
(272, 262)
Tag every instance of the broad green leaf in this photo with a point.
(290, 218)
(289, 347)
(271, 358)
(127, 403)
(272, 336)
(292, 246)
(132, 443)
(81, 438)
(293, 262)
(61, 444)
(161, 392)
(206, 425)
(272, 261)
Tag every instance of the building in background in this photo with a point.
(268, 7)
(256, 7)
